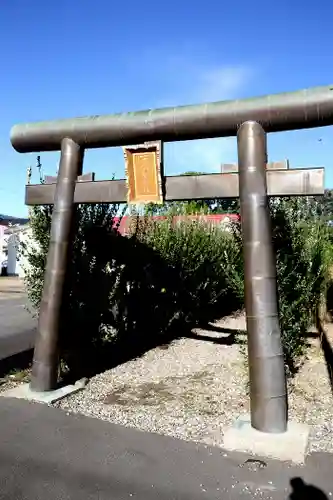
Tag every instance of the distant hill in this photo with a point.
(9, 219)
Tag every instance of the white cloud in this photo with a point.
(201, 156)
(189, 83)
(222, 83)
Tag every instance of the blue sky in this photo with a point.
(73, 58)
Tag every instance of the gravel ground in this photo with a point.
(196, 388)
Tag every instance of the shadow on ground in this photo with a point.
(228, 336)
(219, 335)
(125, 299)
(17, 365)
(304, 491)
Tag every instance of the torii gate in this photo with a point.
(250, 120)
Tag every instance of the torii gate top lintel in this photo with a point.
(277, 112)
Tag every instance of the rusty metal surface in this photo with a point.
(295, 182)
(45, 364)
(268, 394)
(88, 177)
(278, 165)
(227, 168)
(278, 112)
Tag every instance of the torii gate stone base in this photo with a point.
(267, 431)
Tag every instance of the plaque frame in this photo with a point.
(134, 197)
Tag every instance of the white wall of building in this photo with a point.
(3, 244)
(27, 241)
(11, 249)
(12, 256)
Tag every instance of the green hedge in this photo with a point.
(303, 255)
(131, 293)
(207, 261)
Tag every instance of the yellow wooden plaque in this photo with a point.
(143, 173)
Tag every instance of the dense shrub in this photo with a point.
(303, 251)
(130, 293)
(85, 308)
(207, 261)
(303, 255)
(34, 253)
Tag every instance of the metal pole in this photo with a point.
(45, 364)
(268, 393)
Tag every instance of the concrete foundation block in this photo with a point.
(23, 391)
(288, 446)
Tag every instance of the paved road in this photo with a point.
(47, 454)
(17, 327)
